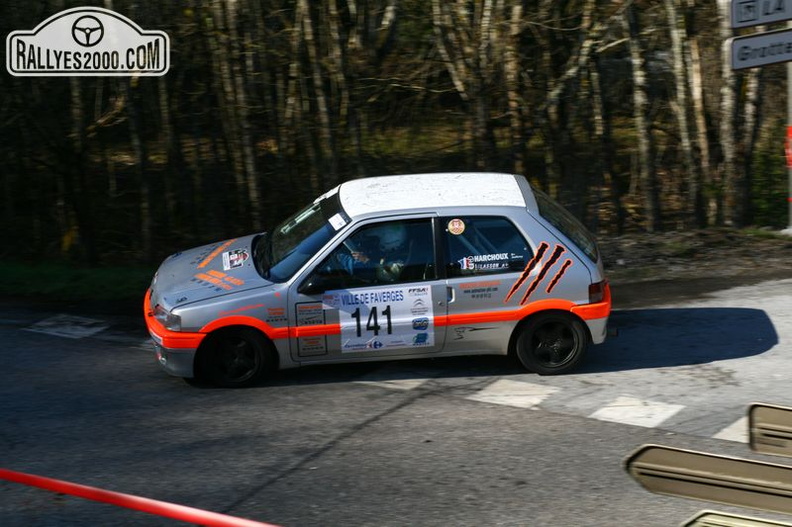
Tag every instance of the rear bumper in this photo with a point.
(596, 316)
(598, 328)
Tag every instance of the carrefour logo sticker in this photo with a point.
(87, 41)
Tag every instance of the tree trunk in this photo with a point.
(742, 214)
(646, 166)
(140, 154)
(681, 108)
(603, 134)
(511, 65)
(700, 119)
(730, 180)
(328, 168)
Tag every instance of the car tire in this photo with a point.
(551, 343)
(235, 358)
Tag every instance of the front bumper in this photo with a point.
(179, 363)
(175, 350)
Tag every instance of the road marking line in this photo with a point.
(396, 384)
(69, 326)
(737, 431)
(514, 393)
(638, 412)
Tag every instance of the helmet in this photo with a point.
(392, 236)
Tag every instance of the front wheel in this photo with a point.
(235, 358)
(551, 343)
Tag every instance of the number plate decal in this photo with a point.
(383, 317)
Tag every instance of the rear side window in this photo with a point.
(561, 219)
(484, 245)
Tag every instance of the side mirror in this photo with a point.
(314, 285)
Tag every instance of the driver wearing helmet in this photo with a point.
(380, 248)
(392, 247)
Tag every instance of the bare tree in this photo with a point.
(464, 34)
(643, 130)
(681, 108)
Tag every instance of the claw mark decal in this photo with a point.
(546, 266)
(557, 252)
(559, 274)
(528, 268)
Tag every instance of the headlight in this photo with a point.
(166, 318)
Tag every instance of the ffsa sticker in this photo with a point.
(234, 259)
(383, 318)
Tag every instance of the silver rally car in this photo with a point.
(384, 268)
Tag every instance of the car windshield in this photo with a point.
(282, 252)
(569, 226)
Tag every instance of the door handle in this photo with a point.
(450, 295)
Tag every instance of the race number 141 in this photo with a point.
(372, 324)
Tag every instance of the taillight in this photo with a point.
(597, 292)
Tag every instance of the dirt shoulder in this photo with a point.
(656, 268)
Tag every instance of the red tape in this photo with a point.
(158, 508)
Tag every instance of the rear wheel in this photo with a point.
(235, 358)
(551, 343)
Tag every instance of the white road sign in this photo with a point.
(747, 13)
(760, 49)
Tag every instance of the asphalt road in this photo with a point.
(471, 441)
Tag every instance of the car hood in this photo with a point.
(206, 272)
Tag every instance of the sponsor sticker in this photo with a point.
(383, 318)
(310, 314)
(234, 259)
(337, 222)
(456, 226)
(314, 345)
(420, 324)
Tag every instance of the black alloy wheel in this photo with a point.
(551, 343)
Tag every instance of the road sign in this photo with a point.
(747, 13)
(760, 49)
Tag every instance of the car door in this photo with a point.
(484, 256)
(374, 295)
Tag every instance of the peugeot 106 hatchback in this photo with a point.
(384, 268)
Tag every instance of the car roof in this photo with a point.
(432, 191)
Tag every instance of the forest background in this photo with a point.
(626, 111)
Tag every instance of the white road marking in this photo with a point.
(396, 384)
(737, 431)
(514, 393)
(638, 412)
(69, 326)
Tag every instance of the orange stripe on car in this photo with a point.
(315, 331)
(584, 311)
(239, 320)
(214, 254)
(506, 315)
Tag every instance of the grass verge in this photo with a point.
(62, 282)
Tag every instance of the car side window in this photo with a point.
(483, 245)
(381, 253)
